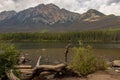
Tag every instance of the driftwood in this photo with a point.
(49, 69)
(66, 52)
(37, 70)
(11, 76)
(46, 69)
(23, 66)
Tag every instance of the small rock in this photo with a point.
(109, 68)
(116, 63)
(56, 62)
(109, 63)
(50, 76)
(117, 70)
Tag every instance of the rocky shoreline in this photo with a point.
(112, 73)
(99, 75)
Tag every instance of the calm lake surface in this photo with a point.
(53, 53)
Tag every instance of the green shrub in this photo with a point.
(84, 62)
(8, 58)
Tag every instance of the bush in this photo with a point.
(8, 58)
(84, 62)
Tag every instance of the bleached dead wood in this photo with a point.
(11, 76)
(38, 62)
(37, 70)
(45, 69)
(23, 66)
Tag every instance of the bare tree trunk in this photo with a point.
(66, 52)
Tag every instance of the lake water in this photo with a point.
(53, 53)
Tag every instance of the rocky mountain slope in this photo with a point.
(51, 17)
(7, 15)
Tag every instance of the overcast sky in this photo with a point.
(80, 6)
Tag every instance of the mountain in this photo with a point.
(92, 15)
(44, 15)
(7, 15)
(51, 17)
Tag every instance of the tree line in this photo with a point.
(85, 36)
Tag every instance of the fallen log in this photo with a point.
(45, 69)
(32, 73)
(23, 66)
(42, 69)
(49, 69)
(11, 76)
(37, 70)
(38, 62)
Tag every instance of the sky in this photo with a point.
(79, 6)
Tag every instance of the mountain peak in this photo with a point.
(40, 5)
(92, 15)
(45, 14)
(91, 11)
(51, 5)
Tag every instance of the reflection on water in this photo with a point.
(53, 53)
(49, 55)
(62, 45)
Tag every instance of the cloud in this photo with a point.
(7, 5)
(113, 1)
(80, 6)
